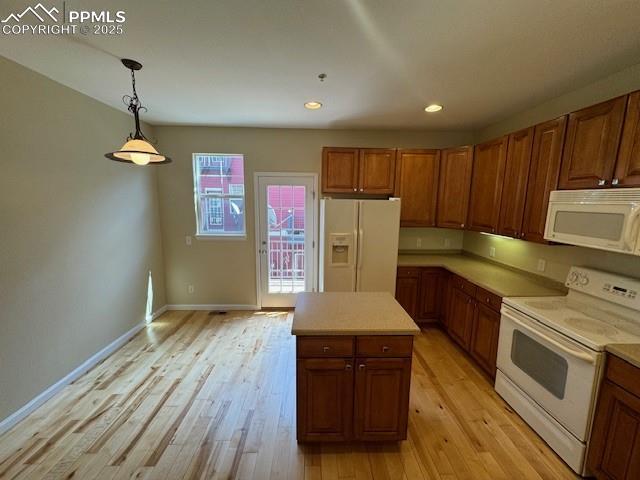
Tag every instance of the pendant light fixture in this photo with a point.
(137, 149)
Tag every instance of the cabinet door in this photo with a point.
(627, 172)
(514, 189)
(590, 150)
(484, 338)
(430, 294)
(614, 452)
(325, 399)
(489, 160)
(417, 185)
(377, 170)
(382, 398)
(548, 139)
(460, 318)
(454, 185)
(339, 170)
(407, 291)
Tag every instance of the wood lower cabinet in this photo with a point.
(627, 172)
(460, 321)
(420, 291)
(382, 398)
(484, 337)
(456, 167)
(417, 173)
(591, 145)
(362, 394)
(408, 289)
(489, 161)
(614, 449)
(544, 171)
(514, 188)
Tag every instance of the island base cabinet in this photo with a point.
(382, 398)
(325, 399)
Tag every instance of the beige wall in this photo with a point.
(430, 239)
(223, 271)
(78, 233)
(525, 255)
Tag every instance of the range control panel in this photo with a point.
(613, 288)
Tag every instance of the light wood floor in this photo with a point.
(198, 396)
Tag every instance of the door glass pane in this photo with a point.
(606, 226)
(542, 364)
(286, 245)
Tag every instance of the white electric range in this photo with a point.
(550, 355)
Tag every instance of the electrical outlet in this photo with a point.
(542, 264)
(190, 289)
(187, 240)
(419, 242)
(447, 243)
(492, 251)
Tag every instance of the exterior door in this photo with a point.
(286, 231)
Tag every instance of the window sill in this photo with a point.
(221, 237)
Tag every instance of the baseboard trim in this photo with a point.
(213, 307)
(157, 313)
(87, 365)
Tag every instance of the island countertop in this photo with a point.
(350, 313)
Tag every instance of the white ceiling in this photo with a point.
(255, 62)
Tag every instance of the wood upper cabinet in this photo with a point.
(514, 189)
(591, 146)
(325, 399)
(484, 338)
(377, 170)
(614, 450)
(460, 317)
(456, 165)
(358, 170)
(408, 290)
(417, 174)
(489, 160)
(382, 398)
(627, 172)
(548, 139)
(340, 169)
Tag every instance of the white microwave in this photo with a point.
(603, 219)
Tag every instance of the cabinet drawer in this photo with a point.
(335, 346)
(384, 346)
(465, 285)
(489, 299)
(624, 374)
(408, 272)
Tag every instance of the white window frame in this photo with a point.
(221, 235)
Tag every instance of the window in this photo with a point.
(219, 194)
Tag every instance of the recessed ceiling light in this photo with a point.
(434, 107)
(313, 105)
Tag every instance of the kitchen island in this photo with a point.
(353, 354)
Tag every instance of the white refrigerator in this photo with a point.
(359, 245)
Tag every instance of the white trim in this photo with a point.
(87, 365)
(213, 306)
(157, 313)
(211, 237)
(256, 213)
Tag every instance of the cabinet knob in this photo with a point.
(615, 181)
(602, 182)
(385, 349)
(488, 300)
(361, 189)
(462, 225)
(347, 366)
(325, 349)
(355, 189)
(362, 366)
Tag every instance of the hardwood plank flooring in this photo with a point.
(197, 396)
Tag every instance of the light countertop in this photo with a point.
(350, 313)
(502, 281)
(628, 352)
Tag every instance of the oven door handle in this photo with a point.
(579, 355)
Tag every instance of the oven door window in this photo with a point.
(539, 362)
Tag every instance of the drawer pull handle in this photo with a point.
(347, 366)
(362, 366)
(325, 349)
(488, 300)
(385, 349)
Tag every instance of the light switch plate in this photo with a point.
(187, 240)
(542, 264)
(190, 289)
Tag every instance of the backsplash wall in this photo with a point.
(558, 258)
(430, 239)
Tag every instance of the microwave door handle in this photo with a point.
(573, 353)
(631, 232)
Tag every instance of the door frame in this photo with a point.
(314, 233)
